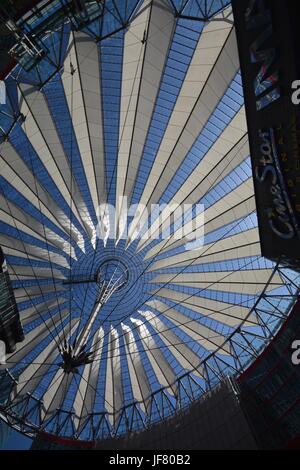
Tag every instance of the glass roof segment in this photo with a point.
(144, 101)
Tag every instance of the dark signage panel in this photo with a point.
(11, 331)
(269, 47)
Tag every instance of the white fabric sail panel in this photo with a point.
(9, 242)
(230, 247)
(54, 396)
(12, 220)
(87, 388)
(231, 135)
(18, 272)
(158, 35)
(133, 59)
(242, 281)
(91, 393)
(14, 252)
(207, 101)
(224, 166)
(209, 339)
(34, 337)
(37, 103)
(235, 205)
(82, 87)
(19, 215)
(14, 170)
(33, 373)
(56, 393)
(186, 357)
(228, 203)
(140, 383)
(191, 109)
(241, 211)
(244, 251)
(113, 390)
(164, 373)
(229, 314)
(26, 293)
(237, 213)
(239, 153)
(40, 309)
(57, 171)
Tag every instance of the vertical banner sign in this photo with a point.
(11, 331)
(269, 48)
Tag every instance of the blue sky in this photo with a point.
(16, 441)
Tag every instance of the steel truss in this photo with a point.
(25, 37)
(25, 414)
(27, 33)
(270, 310)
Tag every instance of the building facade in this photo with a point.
(11, 331)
